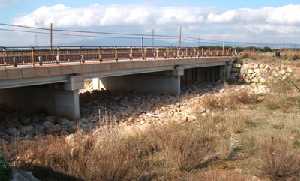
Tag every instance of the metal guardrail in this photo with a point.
(14, 56)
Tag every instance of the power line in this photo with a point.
(88, 32)
(44, 33)
(130, 35)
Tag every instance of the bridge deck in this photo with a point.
(105, 68)
(49, 66)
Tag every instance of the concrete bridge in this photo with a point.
(34, 79)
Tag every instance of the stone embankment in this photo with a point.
(260, 75)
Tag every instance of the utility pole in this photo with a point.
(51, 36)
(180, 36)
(142, 41)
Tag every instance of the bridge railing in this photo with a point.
(40, 56)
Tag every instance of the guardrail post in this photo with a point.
(165, 53)
(174, 52)
(32, 57)
(57, 56)
(186, 52)
(131, 54)
(198, 52)
(157, 53)
(144, 54)
(82, 59)
(5, 56)
(153, 52)
(15, 62)
(40, 60)
(100, 54)
(116, 55)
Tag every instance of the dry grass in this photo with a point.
(220, 175)
(188, 147)
(280, 160)
(281, 102)
(230, 100)
(283, 95)
(111, 155)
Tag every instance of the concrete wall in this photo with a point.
(161, 82)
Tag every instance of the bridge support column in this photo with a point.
(162, 82)
(227, 70)
(67, 101)
(223, 73)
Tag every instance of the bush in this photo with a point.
(107, 156)
(4, 169)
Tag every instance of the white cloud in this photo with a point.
(130, 14)
(106, 15)
(225, 17)
(239, 24)
(285, 15)
(101, 15)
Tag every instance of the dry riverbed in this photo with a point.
(215, 132)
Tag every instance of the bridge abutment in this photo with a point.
(57, 99)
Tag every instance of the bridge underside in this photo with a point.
(63, 98)
(55, 89)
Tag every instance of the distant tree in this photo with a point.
(267, 49)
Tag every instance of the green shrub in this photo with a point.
(4, 169)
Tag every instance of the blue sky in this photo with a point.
(275, 21)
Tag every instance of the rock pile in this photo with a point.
(259, 75)
(263, 73)
(104, 108)
(17, 125)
